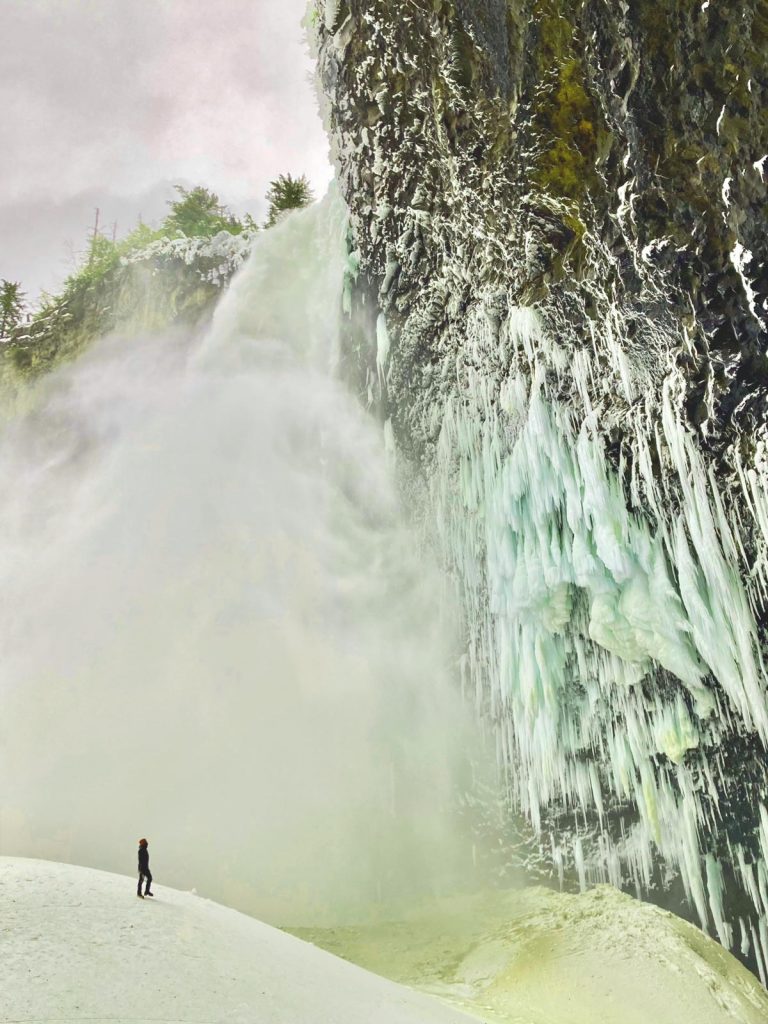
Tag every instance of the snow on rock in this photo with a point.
(77, 945)
(216, 259)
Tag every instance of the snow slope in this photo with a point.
(77, 945)
(534, 956)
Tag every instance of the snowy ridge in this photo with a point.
(79, 946)
(216, 259)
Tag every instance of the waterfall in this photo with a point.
(216, 627)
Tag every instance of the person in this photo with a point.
(144, 871)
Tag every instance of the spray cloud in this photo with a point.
(216, 628)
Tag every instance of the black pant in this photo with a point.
(148, 875)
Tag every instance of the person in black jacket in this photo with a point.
(144, 871)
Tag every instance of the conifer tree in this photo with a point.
(287, 193)
(11, 306)
(198, 212)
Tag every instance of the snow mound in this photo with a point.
(534, 956)
(77, 945)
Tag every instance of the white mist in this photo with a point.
(215, 628)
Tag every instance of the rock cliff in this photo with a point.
(559, 213)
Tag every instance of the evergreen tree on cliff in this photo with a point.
(11, 306)
(287, 193)
(198, 212)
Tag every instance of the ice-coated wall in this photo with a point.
(559, 212)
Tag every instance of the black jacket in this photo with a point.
(143, 859)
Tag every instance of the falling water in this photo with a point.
(216, 628)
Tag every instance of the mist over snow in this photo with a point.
(217, 630)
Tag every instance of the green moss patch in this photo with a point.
(564, 115)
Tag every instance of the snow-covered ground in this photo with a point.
(77, 945)
(534, 956)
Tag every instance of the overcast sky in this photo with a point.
(108, 103)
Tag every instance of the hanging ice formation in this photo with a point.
(570, 352)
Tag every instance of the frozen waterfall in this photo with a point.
(618, 661)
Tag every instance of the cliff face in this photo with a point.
(559, 210)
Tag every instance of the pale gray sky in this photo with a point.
(109, 102)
